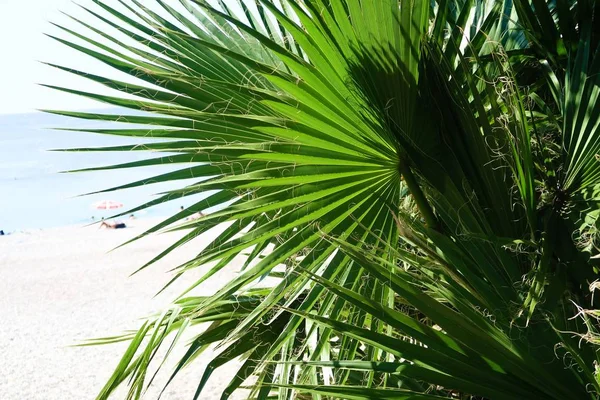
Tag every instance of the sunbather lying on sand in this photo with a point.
(113, 225)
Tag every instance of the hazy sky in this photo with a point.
(23, 44)
(22, 27)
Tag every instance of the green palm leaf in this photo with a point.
(408, 165)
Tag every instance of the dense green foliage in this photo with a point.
(420, 179)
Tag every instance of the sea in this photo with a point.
(34, 193)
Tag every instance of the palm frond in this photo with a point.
(409, 173)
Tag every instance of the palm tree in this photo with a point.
(425, 173)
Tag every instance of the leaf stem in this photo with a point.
(420, 199)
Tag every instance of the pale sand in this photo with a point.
(61, 286)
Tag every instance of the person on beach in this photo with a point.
(113, 225)
(194, 216)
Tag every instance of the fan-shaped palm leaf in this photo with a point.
(321, 131)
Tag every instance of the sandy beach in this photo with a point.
(61, 286)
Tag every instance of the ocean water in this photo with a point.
(33, 192)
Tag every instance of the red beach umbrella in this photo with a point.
(107, 205)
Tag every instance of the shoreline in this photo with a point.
(88, 223)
